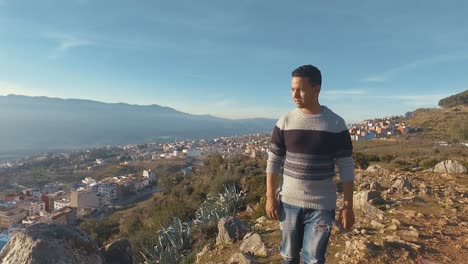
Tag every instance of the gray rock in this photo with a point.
(449, 166)
(58, 244)
(119, 252)
(364, 186)
(376, 225)
(375, 169)
(240, 258)
(375, 186)
(253, 244)
(390, 241)
(427, 190)
(377, 201)
(358, 248)
(361, 202)
(231, 230)
(402, 183)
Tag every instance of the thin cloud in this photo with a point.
(375, 79)
(413, 100)
(345, 92)
(390, 73)
(65, 42)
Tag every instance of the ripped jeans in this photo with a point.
(306, 229)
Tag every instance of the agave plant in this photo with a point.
(226, 204)
(174, 241)
(231, 198)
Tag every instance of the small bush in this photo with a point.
(360, 160)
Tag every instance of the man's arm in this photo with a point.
(346, 216)
(272, 204)
(276, 155)
(345, 163)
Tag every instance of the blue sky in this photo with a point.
(234, 58)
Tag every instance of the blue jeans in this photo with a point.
(306, 229)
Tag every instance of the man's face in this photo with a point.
(303, 93)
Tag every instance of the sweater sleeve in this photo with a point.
(344, 158)
(277, 152)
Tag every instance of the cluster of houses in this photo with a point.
(96, 194)
(52, 205)
(377, 128)
(33, 206)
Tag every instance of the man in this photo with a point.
(307, 142)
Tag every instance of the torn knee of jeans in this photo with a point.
(322, 228)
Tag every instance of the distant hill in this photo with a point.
(43, 124)
(448, 124)
(455, 100)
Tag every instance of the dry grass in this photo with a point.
(442, 123)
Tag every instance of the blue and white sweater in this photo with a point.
(308, 146)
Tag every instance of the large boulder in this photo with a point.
(362, 201)
(58, 244)
(253, 244)
(231, 230)
(449, 166)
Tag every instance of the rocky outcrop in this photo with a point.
(62, 244)
(363, 201)
(119, 252)
(58, 244)
(231, 230)
(449, 166)
(253, 244)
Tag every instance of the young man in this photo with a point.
(307, 142)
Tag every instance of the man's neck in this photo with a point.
(312, 110)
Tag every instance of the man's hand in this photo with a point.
(346, 217)
(272, 207)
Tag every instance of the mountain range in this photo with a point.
(31, 124)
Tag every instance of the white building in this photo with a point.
(61, 204)
(150, 175)
(36, 193)
(108, 191)
(88, 181)
(193, 152)
(34, 208)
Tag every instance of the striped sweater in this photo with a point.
(308, 146)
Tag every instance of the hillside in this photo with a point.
(421, 216)
(455, 100)
(447, 124)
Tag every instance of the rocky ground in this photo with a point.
(401, 217)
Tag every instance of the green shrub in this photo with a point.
(360, 160)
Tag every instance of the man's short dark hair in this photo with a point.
(310, 72)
